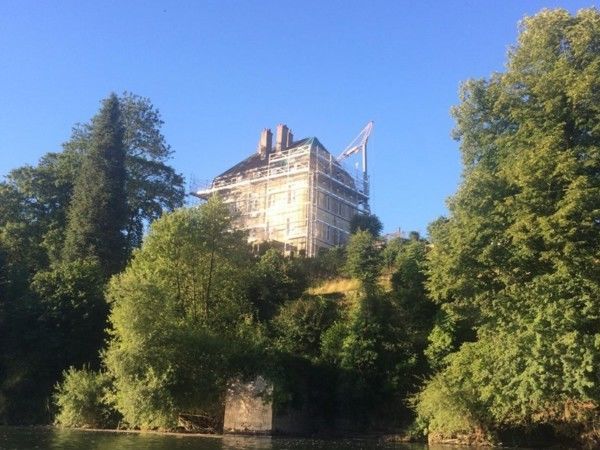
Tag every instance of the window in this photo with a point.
(291, 194)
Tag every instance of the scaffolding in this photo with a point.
(300, 197)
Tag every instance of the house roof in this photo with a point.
(255, 161)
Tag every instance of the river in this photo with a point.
(13, 438)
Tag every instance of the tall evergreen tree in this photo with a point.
(152, 186)
(65, 299)
(98, 211)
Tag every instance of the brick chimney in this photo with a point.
(282, 137)
(290, 139)
(265, 144)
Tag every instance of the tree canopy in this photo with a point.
(98, 209)
(180, 317)
(66, 225)
(516, 261)
(366, 222)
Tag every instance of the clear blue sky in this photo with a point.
(220, 71)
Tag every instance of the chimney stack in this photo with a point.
(265, 144)
(283, 136)
(290, 139)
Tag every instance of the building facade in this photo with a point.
(294, 194)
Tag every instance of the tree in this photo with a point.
(182, 325)
(54, 311)
(364, 258)
(366, 222)
(374, 357)
(152, 186)
(524, 225)
(98, 210)
(274, 281)
(39, 196)
(45, 192)
(72, 307)
(409, 293)
(300, 324)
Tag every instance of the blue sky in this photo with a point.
(220, 71)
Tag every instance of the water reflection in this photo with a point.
(56, 439)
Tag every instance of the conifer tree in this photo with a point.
(98, 209)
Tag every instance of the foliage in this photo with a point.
(56, 322)
(364, 258)
(443, 338)
(374, 357)
(409, 293)
(536, 368)
(366, 222)
(54, 312)
(274, 280)
(72, 305)
(390, 252)
(299, 325)
(409, 275)
(517, 260)
(36, 200)
(81, 400)
(181, 322)
(98, 211)
(328, 264)
(152, 186)
(39, 196)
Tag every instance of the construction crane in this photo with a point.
(359, 144)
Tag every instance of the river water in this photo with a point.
(12, 438)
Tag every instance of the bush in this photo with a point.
(300, 324)
(81, 400)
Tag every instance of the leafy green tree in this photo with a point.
(98, 210)
(58, 321)
(54, 311)
(300, 324)
(274, 281)
(45, 192)
(366, 222)
(410, 294)
(182, 325)
(39, 196)
(410, 263)
(152, 186)
(374, 357)
(390, 253)
(20, 237)
(73, 309)
(522, 239)
(363, 258)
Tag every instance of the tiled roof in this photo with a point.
(255, 161)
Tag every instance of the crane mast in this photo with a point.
(359, 144)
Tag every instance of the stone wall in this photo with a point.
(249, 408)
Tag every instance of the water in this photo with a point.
(54, 439)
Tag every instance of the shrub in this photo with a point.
(81, 400)
(300, 324)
